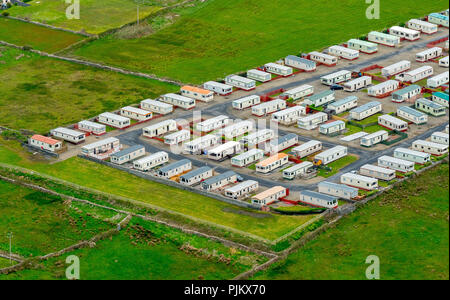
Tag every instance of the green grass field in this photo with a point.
(228, 36)
(337, 165)
(407, 228)
(38, 37)
(41, 93)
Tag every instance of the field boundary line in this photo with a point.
(316, 218)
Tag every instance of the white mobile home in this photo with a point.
(336, 77)
(268, 107)
(396, 164)
(384, 39)
(219, 181)
(45, 143)
(102, 149)
(323, 58)
(151, 161)
(289, 115)
(410, 92)
(218, 88)
(177, 137)
(430, 147)
(156, 106)
(200, 144)
(197, 93)
(222, 151)
(242, 189)
(312, 121)
(281, 143)
(197, 176)
(114, 120)
(245, 102)
(443, 62)
(438, 19)
(430, 107)
(318, 199)
(440, 138)
(428, 54)
(278, 69)
(366, 110)
(337, 190)
(362, 46)
(159, 128)
(213, 123)
(247, 158)
(412, 115)
(359, 181)
(320, 99)
(307, 148)
(128, 154)
(270, 196)
(136, 113)
(178, 101)
(346, 53)
(237, 129)
(259, 75)
(299, 92)
(438, 80)
(175, 169)
(357, 84)
(393, 123)
(396, 68)
(377, 172)
(257, 137)
(269, 164)
(331, 155)
(343, 105)
(92, 127)
(423, 26)
(405, 33)
(68, 135)
(412, 155)
(296, 170)
(383, 89)
(374, 138)
(300, 63)
(240, 82)
(332, 127)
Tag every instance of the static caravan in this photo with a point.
(178, 101)
(318, 199)
(102, 149)
(430, 107)
(374, 138)
(331, 155)
(245, 102)
(175, 169)
(296, 170)
(114, 120)
(69, 135)
(307, 148)
(151, 161)
(412, 115)
(196, 176)
(428, 54)
(377, 172)
(346, 53)
(396, 68)
(177, 137)
(443, 62)
(412, 155)
(269, 164)
(323, 58)
(45, 143)
(332, 127)
(416, 74)
(393, 123)
(200, 144)
(365, 110)
(289, 115)
(240, 82)
(218, 88)
(299, 92)
(430, 147)
(159, 128)
(359, 181)
(320, 99)
(357, 84)
(337, 190)
(336, 77)
(197, 93)
(270, 196)
(362, 46)
(281, 143)
(438, 80)
(438, 19)
(259, 75)
(237, 129)
(343, 105)
(222, 151)
(405, 33)
(410, 92)
(242, 189)
(219, 181)
(384, 39)
(213, 123)
(278, 69)
(257, 137)
(92, 127)
(440, 138)
(312, 121)
(136, 113)
(423, 26)
(396, 164)
(383, 89)
(247, 158)
(300, 63)
(156, 106)
(128, 154)
(268, 107)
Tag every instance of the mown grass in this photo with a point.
(406, 227)
(222, 37)
(42, 93)
(337, 165)
(4, 263)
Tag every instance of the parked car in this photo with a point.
(336, 87)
